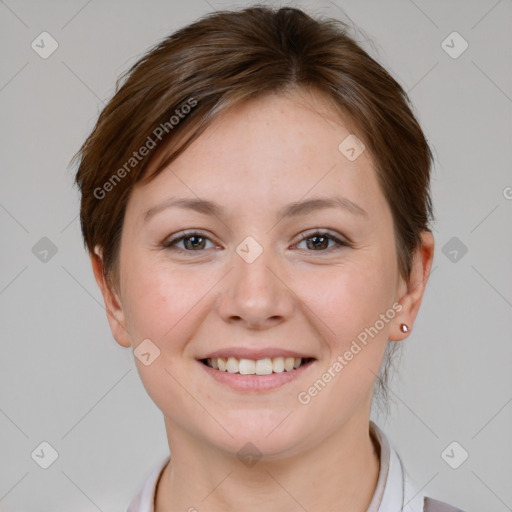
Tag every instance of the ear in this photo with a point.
(113, 306)
(411, 292)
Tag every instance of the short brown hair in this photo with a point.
(228, 57)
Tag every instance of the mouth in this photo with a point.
(252, 369)
(263, 366)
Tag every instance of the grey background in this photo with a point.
(64, 380)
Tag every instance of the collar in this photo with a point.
(395, 490)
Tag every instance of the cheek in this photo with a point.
(348, 302)
(350, 297)
(165, 305)
(162, 302)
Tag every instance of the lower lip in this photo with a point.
(240, 382)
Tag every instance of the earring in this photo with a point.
(404, 327)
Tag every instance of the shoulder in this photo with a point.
(432, 505)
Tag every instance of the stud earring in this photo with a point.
(404, 327)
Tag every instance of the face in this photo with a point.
(262, 243)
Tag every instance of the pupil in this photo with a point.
(318, 244)
(192, 242)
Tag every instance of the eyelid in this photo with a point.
(340, 239)
(170, 241)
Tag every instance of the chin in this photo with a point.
(269, 433)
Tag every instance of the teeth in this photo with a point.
(232, 365)
(288, 364)
(264, 366)
(247, 367)
(278, 364)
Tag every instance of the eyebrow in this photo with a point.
(291, 210)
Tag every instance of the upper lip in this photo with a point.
(255, 354)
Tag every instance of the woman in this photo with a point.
(255, 202)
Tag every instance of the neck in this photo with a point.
(340, 474)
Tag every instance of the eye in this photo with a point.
(319, 241)
(192, 242)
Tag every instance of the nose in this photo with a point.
(255, 295)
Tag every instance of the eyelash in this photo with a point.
(171, 243)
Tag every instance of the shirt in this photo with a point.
(395, 492)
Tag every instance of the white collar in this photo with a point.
(394, 492)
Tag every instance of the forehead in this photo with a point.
(275, 147)
(296, 128)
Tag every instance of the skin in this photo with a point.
(252, 161)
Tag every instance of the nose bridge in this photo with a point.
(253, 294)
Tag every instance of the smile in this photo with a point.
(264, 366)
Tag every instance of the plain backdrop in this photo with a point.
(63, 379)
